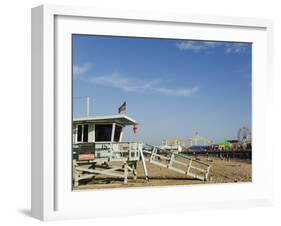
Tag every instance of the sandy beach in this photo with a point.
(222, 171)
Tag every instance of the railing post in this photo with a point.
(152, 154)
(207, 173)
(171, 160)
(125, 173)
(143, 164)
(189, 166)
(75, 174)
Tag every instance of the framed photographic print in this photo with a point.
(136, 112)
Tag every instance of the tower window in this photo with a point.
(82, 133)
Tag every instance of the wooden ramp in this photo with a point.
(178, 162)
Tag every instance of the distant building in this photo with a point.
(172, 142)
(196, 142)
(234, 144)
(229, 145)
(225, 146)
(172, 145)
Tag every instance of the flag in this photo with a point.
(135, 127)
(122, 108)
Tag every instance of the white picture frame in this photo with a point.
(52, 197)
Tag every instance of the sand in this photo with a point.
(222, 171)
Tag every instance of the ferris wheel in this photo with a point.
(244, 135)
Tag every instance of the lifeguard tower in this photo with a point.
(97, 141)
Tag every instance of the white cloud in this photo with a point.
(198, 46)
(177, 92)
(117, 81)
(81, 69)
(234, 47)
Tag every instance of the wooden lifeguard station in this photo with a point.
(97, 141)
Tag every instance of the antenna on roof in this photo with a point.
(87, 104)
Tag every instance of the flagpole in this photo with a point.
(88, 106)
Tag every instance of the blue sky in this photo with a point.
(173, 88)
